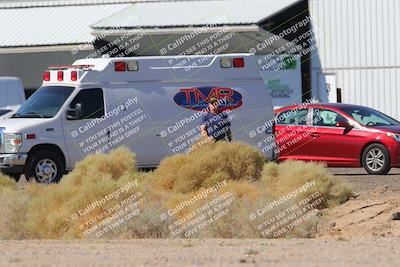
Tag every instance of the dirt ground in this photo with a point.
(215, 252)
(369, 214)
(357, 233)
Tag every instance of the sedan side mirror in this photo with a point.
(76, 113)
(344, 124)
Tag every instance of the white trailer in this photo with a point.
(11, 96)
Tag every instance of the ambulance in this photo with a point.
(152, 105)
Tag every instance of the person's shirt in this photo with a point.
(217, 125)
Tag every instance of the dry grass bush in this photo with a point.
(208, 164)
(146, 225)
(10, 203)
(7, 182)
(165, 176)
(13, 203)
(44, 211)
(235, 223)
(281, 179)
(12, 216)
(49, 211)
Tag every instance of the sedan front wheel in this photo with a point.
(376, 160)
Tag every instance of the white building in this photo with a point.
(357, 51)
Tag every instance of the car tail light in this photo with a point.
(119, 66)
(60, 75)
(74, 75)
(238, 62)
(46, 76)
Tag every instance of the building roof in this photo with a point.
(53, 3)
(194, 13)
(60, 25)
(30, 23)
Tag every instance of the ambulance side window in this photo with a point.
(92, 101)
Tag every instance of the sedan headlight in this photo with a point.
(12, 142)
(394, 136)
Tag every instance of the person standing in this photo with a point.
(216, 124)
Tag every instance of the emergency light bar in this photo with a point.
(61, 71)
(74, 75)
(60, 75)
(46, 76)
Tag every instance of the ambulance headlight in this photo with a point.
(133, 65)
(12, 142)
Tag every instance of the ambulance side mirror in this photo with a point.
(76, 113)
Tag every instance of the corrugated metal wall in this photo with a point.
(358, 41)
(29, 67)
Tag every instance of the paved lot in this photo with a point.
(362, 182)
(358, 176)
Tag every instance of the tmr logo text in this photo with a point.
(196, 98)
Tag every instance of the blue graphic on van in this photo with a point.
(196, 98)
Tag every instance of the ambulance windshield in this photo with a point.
(45, 102)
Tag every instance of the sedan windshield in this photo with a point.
(370, 117)
(45, 102)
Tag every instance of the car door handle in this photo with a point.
(315, 135)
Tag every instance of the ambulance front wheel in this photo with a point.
(45, 167)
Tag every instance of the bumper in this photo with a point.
(10, 163)
(394, 152)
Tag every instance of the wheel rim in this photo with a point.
(46, 171)
(375, 159)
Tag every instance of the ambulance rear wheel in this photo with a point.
(45, 167)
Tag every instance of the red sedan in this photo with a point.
(341, 135)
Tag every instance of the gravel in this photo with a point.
(362, 182)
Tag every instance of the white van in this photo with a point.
(153, 105)
(11, 96)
